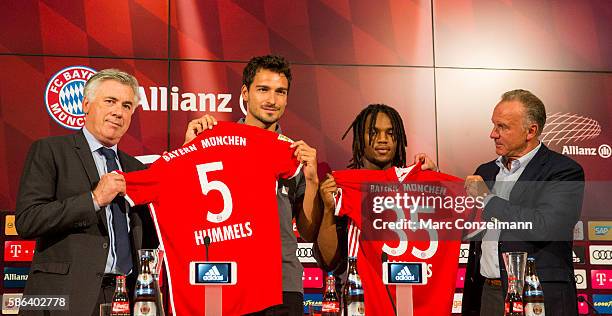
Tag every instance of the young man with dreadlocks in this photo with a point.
(379, 149)
(378, 144)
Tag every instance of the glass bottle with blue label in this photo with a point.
(353, 292)
(145, 295)
(533, 296)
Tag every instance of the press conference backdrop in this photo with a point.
(443, 64)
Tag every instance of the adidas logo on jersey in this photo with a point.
(213, 274)
(405, 275)
(285, 138)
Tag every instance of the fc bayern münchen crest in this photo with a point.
(64, 96)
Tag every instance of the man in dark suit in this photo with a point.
(527, 183)
(71, 204)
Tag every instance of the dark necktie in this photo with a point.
(120, 227)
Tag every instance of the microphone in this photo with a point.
(384, 258)
(206, 244)
(581, 299)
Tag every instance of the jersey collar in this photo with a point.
(401, 173)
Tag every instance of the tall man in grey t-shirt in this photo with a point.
(265, 86)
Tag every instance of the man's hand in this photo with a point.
(107, 189)
(475, 186)
(308, 157)
(426, 162)
(197, 126)
(326, 190)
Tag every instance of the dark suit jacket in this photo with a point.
(55, 206)
(548, 193)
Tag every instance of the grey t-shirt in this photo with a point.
(289, 193)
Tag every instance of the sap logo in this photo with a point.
(601, 230)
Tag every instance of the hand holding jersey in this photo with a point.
(403, 232)
(220, 196)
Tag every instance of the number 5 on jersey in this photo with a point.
(208, 186)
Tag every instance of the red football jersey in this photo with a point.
(361, 197)
(221, 185)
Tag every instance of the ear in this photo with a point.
(532, 131)
(86, 105)
(244, 91)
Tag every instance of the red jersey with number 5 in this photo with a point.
(381, 205)
(221, 185)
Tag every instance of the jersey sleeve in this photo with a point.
(143, 186)
(348, 196)
(467, 208)
(286, 164)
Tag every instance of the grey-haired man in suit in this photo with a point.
(71, 204)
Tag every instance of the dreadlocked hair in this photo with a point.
(359, 130)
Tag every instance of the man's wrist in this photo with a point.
(95, 203)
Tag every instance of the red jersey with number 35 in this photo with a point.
(369, 238)
(221, 185)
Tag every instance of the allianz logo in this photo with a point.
(405, 275)
(213, 274)
(15, 277)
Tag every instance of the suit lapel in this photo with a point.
(84, 152)
(534, 167)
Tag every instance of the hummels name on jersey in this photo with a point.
(224, 233)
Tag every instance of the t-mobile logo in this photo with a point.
(15, 250)
(601, 278)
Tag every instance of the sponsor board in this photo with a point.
(571, 128)
(600, 254)
(304, 252)
(460, 278)
(15, 277)
(8, 303)
(583, 307)
(312, 299)
(578, 255)
(19, 250)
(603, 303)
(601, 279)
(457, 298)
(579, 231)
(600, 230)
(9, 225)
(464, 253)
(581, 279)
(312, 278)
